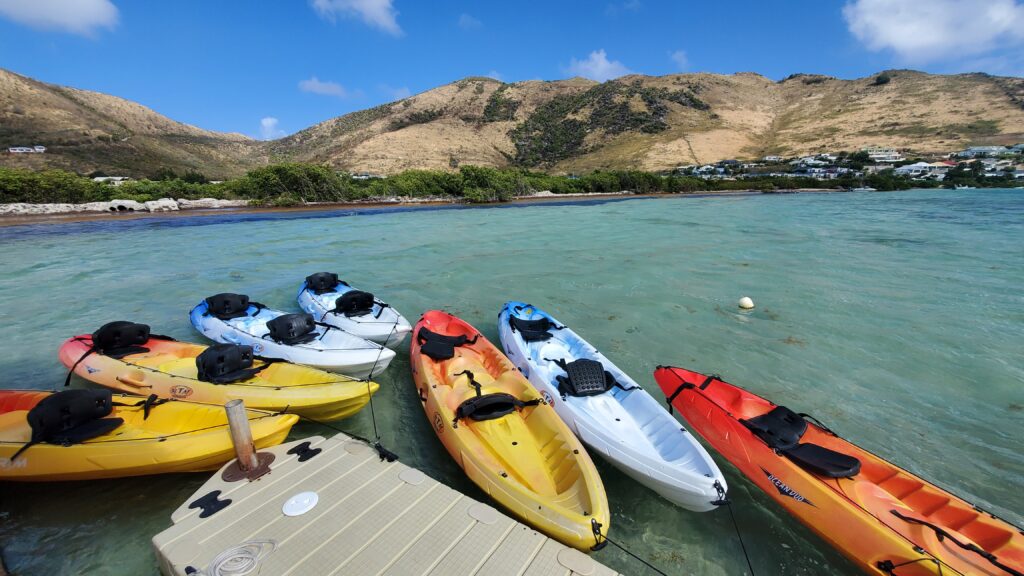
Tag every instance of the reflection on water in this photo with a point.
(898, 319)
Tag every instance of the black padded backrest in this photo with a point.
(487, 407)
(72, 416)
(823, 461)
(121, 338)
(292, 328)
(228, 305)
(584, 377)
(780, 428)
(354, 303)
(531, 330)
(225, 363)
(322, 282)
(440, 346)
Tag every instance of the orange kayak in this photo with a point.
(882, 517)
(503, 434)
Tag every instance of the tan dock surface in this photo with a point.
(371, 517)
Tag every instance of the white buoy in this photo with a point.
(746, 303)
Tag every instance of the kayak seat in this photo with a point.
(354, 303)
(72, 416)
(225, 363)
(440, 346)
(323, 282)
(823, 461)
(119, 339)
(292, 329)
(532, 330)
(780, 428)
(228, 305)
(490, 407)
(584, 377)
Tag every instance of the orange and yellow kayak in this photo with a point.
(882, 517)
(168, 369)
(509, 441)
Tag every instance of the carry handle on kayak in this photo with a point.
(133, 382)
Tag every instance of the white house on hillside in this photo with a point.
(879, 154)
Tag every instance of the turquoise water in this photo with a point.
(896, 318)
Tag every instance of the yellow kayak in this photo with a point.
(509, 441)
(167, 368)
(130, 439)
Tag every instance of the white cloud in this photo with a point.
(269, 129)
(598, 67)
(680, 58)
(316, 86)
(395, 93)
(494, 74)
(936, 30)
(467, 22)
(376, 13)
(81, 17)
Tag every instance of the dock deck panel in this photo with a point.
(372, 518)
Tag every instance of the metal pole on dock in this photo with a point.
(241, 435)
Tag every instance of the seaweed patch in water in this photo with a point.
(1013, 407)
(794, 341)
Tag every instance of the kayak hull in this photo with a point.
(528, 461)
(856, 514)
(333, 350)
(384, 325)
(176, 437)
(168, 370)
(629, 428)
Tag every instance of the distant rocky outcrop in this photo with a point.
(119, 206)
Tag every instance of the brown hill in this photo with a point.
(85, 131)
(575, 125)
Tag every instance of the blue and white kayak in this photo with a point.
(608, 410)
(297, 338)
(334, 302)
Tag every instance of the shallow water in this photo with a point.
(896, 318)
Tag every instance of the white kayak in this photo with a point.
(297, 338)
(608, 410)
(335, 302)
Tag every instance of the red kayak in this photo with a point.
(885, 519)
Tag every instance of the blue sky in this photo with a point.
(270, 68)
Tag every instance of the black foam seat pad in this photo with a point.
(440, 346)
(780, 428)
(823, 461)
(585, 377)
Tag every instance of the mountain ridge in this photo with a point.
(561, 126)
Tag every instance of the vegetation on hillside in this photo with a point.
(500, 108)
(556, 130)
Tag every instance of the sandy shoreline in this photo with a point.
(71, 217)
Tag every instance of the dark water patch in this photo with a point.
(96, 226)
(794, 341)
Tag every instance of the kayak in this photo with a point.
(117, 437)
(297, 338)
(608, 410)
(503, 434)
(884, 518)
(335, 302)
(171, 369)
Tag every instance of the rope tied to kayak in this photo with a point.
(383, 452)
(603, 540)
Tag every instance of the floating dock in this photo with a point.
(332, 507)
